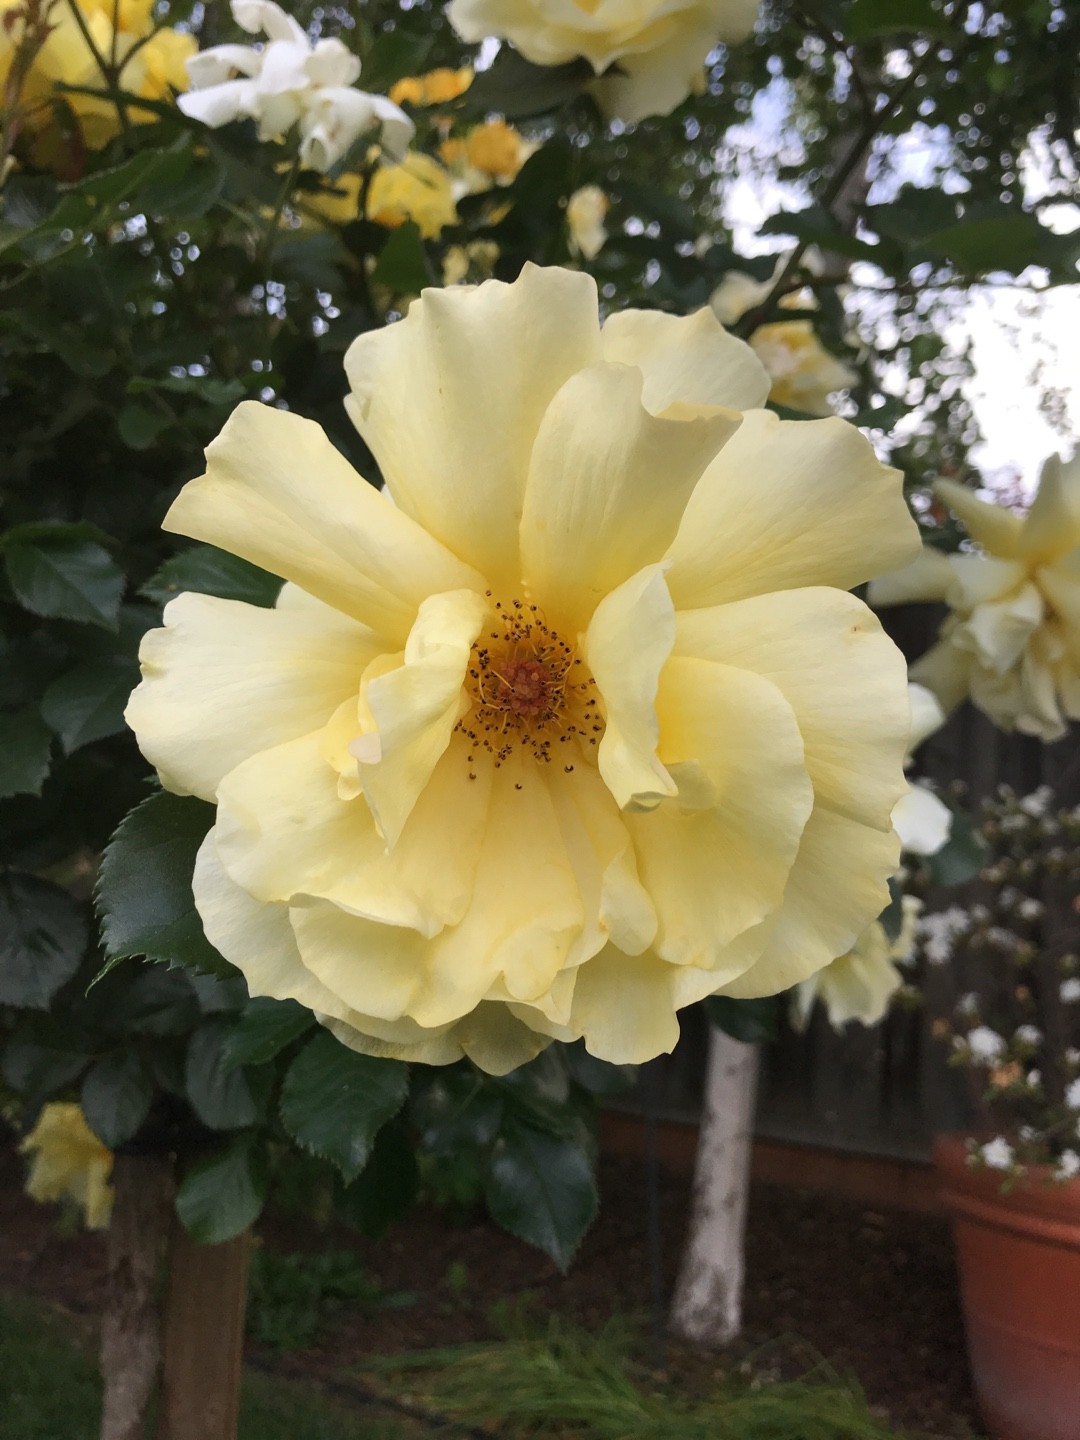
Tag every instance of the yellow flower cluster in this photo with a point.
(151, 68)
(575, 725)
(69, 1163)
(437, 87)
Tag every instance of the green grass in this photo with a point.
(568, 1382)
(49, 1390)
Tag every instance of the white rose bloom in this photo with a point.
(1072, 1095)
(985, 1044)
(940, 930)
(289, 81)
(1068, 1165)
(658, 46)
(1070, 990)
(997, 1154)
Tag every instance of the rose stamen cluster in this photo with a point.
(528, 688)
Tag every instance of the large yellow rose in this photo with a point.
(1012, 641)
(658, 46)
(70, 1163)
(575, 726)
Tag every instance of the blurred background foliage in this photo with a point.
(147, 286)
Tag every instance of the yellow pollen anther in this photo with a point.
(529, 689)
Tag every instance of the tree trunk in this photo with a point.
(204, 1338)
(131, 1324)
(707, 1308)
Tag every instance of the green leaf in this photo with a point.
(222, 1196)
(210, 571)
(66, 579)
(204, 388)
(516, 88)
(334, 1101)
(395, 54)
(43, 935)
(66, 341)
(140, 425)
(36, 1070)
(869, 19)
(25, 745)
(962, 856)
(891, 918)
(88, 702)
(542, 1189)
(266, 1027)
(220, 1094)
(155, 1001)
(144, 890)
(116, 1097)
(387, 1187)
(95, 201)
(599, 1077)
(751, 1021)
(402, 264)
(1001, 242)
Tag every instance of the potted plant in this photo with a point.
(1012, 1186)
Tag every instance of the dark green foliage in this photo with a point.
(751, 1021)
(144, 891)
(291, 1297)
(334, 1101)
(135, 312)
(223, 1193)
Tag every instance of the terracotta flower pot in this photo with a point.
(1019, 1259)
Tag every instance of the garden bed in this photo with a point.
(872, 1293)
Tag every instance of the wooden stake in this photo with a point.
(131, 1323)
(204, 1338)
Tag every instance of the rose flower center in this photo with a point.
(529, 691)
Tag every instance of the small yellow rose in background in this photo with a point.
(658, 46)
(437, 87)
(152, 71)
(739, 292)
(69, 1162)
(860, 985)
(1012, 641)
(418, 189)
(585, 212)
(490, 154)
(804, 375)
(470, 263)
(575, 726)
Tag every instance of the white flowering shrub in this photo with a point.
(1012, 1019)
